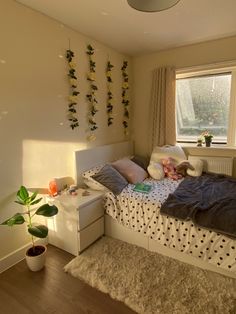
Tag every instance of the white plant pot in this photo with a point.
(36, 263)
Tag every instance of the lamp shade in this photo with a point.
(152, 5)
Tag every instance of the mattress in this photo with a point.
(141, 213)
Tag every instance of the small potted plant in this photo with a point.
(208, 138)
(35, 255)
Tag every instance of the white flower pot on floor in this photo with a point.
(36, 262)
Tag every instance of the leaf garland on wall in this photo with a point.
(72, 98)
(109, 94)
(91, 96)
(125, 100)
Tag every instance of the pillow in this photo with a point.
(141, 161)
(111, 178)
(198, 167)
(155, 169)
(90, 182)
(176, 152)
(130, 170)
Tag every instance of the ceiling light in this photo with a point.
(152, 5)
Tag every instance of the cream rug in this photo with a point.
(151, 283)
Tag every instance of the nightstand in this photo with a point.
(79, 222)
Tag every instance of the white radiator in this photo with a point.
(222, 165)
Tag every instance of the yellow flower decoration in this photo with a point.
(72, 98)
(125, 85)
(73, 82)
(72, 65)
(91, 137)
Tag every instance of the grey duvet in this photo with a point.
(209, 201)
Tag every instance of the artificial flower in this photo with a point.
(72, 98)
(125, 85)
(91, 137)
(72, 65)
(91, 76)
(73, 82)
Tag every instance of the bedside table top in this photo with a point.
(76, 201)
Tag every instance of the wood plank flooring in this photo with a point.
(51, 290)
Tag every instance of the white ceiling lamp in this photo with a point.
(152, 5)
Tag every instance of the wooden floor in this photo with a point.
(51, 290)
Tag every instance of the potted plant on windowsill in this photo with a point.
(35, 255)
(208, 138)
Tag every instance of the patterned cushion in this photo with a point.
(111, 178)
(90, 182)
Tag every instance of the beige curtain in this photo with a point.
(162, 113)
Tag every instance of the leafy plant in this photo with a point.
(27, 200)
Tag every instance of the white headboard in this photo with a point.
(85, 159)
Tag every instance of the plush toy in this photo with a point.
(183, 166)
(169, 169)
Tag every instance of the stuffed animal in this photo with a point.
(183, 166)
(169, 169)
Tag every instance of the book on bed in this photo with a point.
(142, 187)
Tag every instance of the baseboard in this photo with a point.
(17, 256)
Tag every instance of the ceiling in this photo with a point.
(117, 25)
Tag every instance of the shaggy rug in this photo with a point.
(151, 283)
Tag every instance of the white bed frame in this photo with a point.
(88, 158)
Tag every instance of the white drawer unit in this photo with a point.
(79, 222)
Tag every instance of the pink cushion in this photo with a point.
(130, 170)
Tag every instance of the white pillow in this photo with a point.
(198, 167)
(176, 152)
(90, 182)
(155, 169)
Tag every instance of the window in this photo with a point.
(203, 102)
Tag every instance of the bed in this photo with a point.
(135, 218)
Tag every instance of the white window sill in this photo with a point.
(213, 146)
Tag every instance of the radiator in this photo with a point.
(222, 165)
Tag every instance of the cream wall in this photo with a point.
(204, 53)
(36, 141)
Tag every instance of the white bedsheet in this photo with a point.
(141, 213)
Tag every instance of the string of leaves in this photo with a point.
(91, 96)
(109, 94)
(125, 100)
(72, 98)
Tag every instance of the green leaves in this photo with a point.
(27, 200)
(39, 231)
(22, 194)
(47, 210)
(17, 219)
(23, 197)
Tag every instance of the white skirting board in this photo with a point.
(17, 256)
(117, 231)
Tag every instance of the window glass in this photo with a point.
(203, 103)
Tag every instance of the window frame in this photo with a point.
(213, 69)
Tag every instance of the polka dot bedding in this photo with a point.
(141, 212)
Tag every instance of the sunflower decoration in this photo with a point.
(91, 96)
(109, 93)
(125, 99)
(73, 95)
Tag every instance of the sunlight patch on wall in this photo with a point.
(45, 160)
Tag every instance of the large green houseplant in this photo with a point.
(35, 255)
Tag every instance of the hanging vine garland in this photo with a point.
(71, 115)
(109, 94)
(91, 96)
(125, 100)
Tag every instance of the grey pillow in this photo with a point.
(142, 161)
(111, 179)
